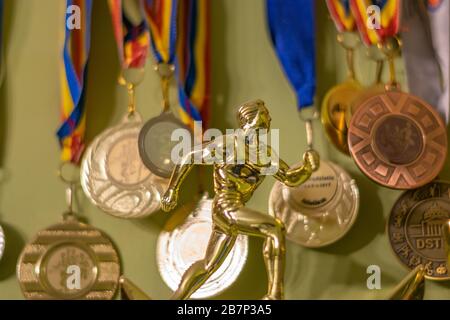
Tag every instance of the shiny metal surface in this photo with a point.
(178, 249)
(2, 242)
(113, 176)
(319, 212)
(412, 287)
(45, 264)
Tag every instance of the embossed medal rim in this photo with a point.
(354, 190)
(406, 267)
(78, 227)
(164, 117)
(420, 183)
(163, 254)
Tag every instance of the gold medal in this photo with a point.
(339, 98)
(185, 244)
(69, 260)
(320, 211)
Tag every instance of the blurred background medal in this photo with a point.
(416, 228)
(2, 242)
(180, 246)
(320, 211)
(113, 176)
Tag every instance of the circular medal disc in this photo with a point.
(415, 228)
(155, 143)
(398, 140)
(2, 242)
(113, 176)
(178, 249)
(334, 107)
(70, 260)
(320, 211)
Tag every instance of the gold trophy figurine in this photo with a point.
(234, 184)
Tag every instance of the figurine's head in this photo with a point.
(254, 115)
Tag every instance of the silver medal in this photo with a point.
(178, 249)
(320, 211)
(113, 176)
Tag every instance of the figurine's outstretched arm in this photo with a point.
(293, 177)
(179, 173)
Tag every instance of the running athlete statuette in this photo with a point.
(234, 184)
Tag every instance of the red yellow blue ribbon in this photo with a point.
(193, 61)
(389, 19)
(341, 14)
(132, 40)
(73, 74)
(161, 16)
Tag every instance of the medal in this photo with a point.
(113, 176)
(185, 244)
(319, 212)
(415, 228)
(338, 100)
(2, 242)
(322, 209)
(69, 260)
(155, 138)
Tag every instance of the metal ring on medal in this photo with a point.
(415, 228)
(178, 249)
(320, 211)
(70, 260)
(156, 144)
(114, 177)
(2, 242)
(398, 140)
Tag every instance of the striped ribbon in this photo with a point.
(193, 61)
(161, 16)
(389, 19)
(341, 14)
(73, 76)
(132, 40)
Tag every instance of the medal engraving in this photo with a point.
(113, 176)
(415, 229)
(398, 140)
(319, 212)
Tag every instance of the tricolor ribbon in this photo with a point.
(388, 19)
(341, 14)
(161, 17)
(73, 75)
(132, 40)
(193, 61)
(292, 30)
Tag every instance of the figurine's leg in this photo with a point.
(262, 225)
(219, 246)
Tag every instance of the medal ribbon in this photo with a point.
(161, 17)
(292, 30)
(132, 40)
(73, 75)
(341, 14)
(389, 19)
(193, 61)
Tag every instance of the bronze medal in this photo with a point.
(416, 228)
(70, 260)
(398, 140)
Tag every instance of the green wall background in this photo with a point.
(244, 68)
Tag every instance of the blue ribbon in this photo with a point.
(292, 29)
